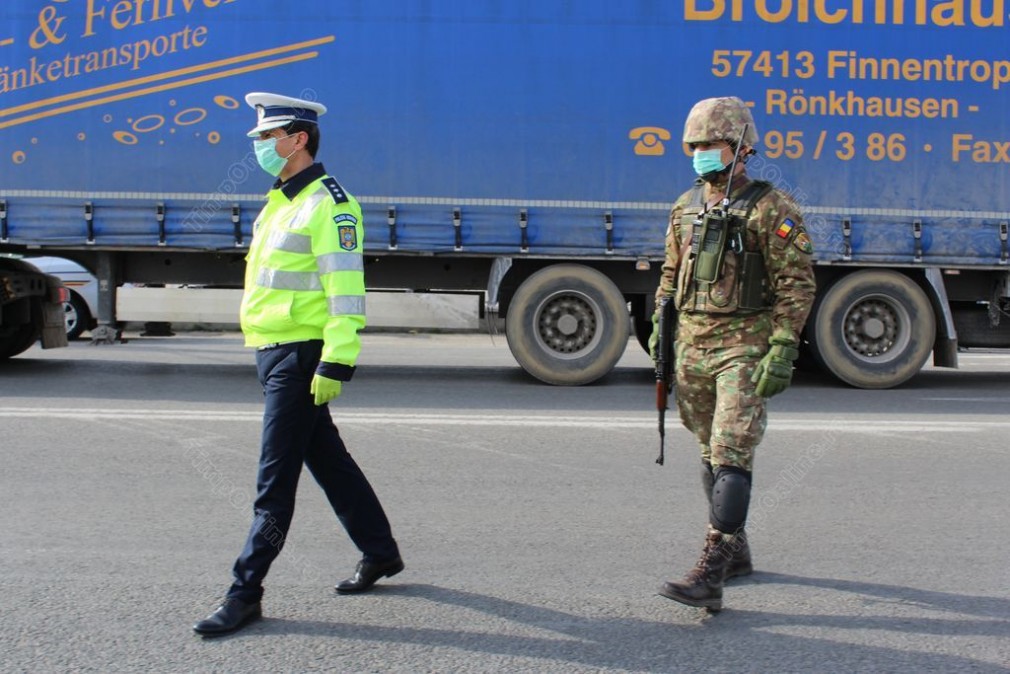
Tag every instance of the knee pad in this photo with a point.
(730, 499)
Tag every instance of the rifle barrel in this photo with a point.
(663, 367)
(662, 434)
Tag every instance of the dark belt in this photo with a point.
(274, 345)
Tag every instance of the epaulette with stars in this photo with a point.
(336, 191)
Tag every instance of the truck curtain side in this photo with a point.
(530, 151)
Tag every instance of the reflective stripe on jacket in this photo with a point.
(305, 272)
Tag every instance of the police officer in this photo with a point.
(303, 306)
(738, 269)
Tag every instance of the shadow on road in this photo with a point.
(995, 611)
(728, 641)
(701, 645)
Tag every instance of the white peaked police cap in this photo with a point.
(274, 110)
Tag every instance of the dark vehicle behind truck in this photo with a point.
(31, 308)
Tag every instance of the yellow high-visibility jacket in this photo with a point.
(305, 275)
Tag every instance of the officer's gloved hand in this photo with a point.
(775, 371)
(654, 336)
(324, 389)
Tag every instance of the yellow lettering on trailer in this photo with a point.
(942, 13)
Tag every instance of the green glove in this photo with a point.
(775, 371)
(324, 389)
(654, 336)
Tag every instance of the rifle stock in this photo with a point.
(664, 368)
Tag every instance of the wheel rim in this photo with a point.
(567, 324)
(875, 329)
(70, 316)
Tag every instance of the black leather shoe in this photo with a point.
(367, 573)
(230, 616)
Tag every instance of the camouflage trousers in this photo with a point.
(718, 404)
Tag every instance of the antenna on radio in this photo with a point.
(732, 168)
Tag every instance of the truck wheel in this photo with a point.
(17, 340)
(872, 329)
(567, 325)
(77, 316)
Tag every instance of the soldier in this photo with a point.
(303, 305)
(738, 269)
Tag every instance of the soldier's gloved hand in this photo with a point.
(775, 371)
(324, 389)
(654, 336)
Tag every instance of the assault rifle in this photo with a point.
(664, 366)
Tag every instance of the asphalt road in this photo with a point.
(533, 520)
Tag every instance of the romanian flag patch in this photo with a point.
(785, 229)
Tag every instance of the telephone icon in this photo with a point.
(650, 140)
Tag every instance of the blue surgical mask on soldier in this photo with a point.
(267, 156)
(707, 161)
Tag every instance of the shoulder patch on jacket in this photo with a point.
(348, 237)
(785, 229)
(336, 191)
(803, 244)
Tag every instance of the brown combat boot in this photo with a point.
(702, 586)
(740, 563)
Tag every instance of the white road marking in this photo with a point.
(349, 416)
(1002, 401)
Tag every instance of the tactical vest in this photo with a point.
(740, 284)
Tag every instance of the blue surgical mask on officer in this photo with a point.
(708, 161)
(268, 157)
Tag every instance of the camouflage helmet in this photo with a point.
(720, 119)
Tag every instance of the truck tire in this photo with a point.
(567, 325)
(17, 340)
(872, 329)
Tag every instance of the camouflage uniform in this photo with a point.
(719, 345)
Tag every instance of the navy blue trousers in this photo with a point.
(296, 431)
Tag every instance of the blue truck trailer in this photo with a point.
(530, 151)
